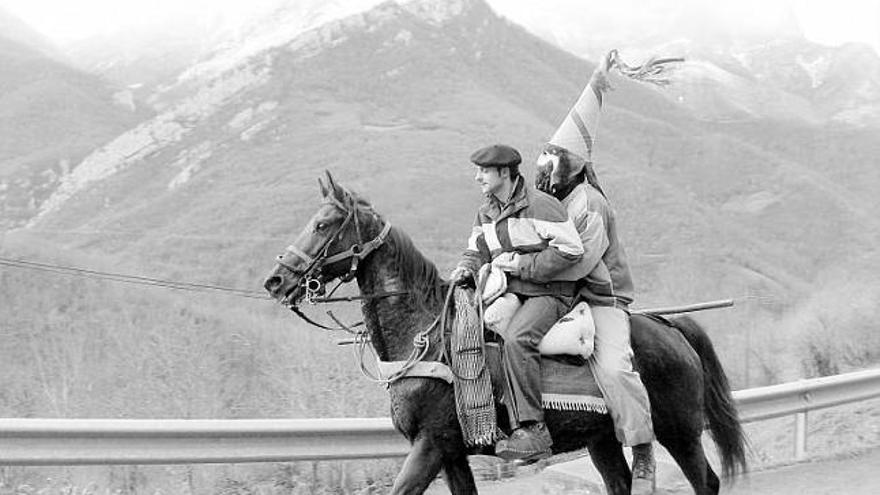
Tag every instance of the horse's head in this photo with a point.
(559, 171)
(328, 248)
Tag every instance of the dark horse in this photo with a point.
(402, 297)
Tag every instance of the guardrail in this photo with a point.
(138, 441)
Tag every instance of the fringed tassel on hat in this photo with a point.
(653, 71)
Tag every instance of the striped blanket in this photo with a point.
(474, 400)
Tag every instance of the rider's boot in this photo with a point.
(528, 443)
(644, 470)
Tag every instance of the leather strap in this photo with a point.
(420, 369)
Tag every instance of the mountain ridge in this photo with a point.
(393, 108)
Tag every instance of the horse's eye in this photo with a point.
(321, 227)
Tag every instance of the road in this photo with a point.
(854, 474)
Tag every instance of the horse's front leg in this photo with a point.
(458, 475)
(420, 467)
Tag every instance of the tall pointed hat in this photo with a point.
(578, 130)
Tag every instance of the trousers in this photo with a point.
(611, 364)
(521, 358)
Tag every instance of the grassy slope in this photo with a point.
(80, 347)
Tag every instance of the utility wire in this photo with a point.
(119, 232)
(130, 279)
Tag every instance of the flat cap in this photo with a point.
(497, 155)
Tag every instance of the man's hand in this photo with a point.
(507, 262)
(461, 276)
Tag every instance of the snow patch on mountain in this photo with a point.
(817, 69)
(715, 94)
(744, 57)
(247, 116)
(191, 161)
(315, 23)
(404, 37)
(281, 25)
(434, 11)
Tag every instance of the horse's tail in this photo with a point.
(718, 401)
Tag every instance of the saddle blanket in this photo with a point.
(567, 384)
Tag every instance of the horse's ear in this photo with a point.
(336, 189)
(324, 189)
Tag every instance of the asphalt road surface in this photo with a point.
(853, 474)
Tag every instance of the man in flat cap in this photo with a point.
(528, 234)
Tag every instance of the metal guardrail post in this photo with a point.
(800, 436)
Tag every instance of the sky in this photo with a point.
(830, 22)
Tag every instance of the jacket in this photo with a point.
(535, 226)
(608, 282)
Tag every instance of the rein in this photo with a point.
(348, 328)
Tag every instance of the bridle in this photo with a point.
(313, 281)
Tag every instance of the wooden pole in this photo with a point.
(690, 308)
(685, 309)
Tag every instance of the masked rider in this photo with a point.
(565, 171)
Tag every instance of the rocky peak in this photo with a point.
(438, 12)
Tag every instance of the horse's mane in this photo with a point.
(418, 274)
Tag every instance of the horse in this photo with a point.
(402, 296)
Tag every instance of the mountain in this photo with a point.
(51, 116)
(791, 80)
(18, 32)
(149, 58)
(739, 66)
(394, 99)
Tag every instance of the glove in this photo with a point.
(507, 262)
(461, 276)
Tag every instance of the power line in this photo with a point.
(130, 279)
(120, 232)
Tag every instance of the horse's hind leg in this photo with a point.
(691, 458)
(458, 475)
(419, 469)
(607, 455)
